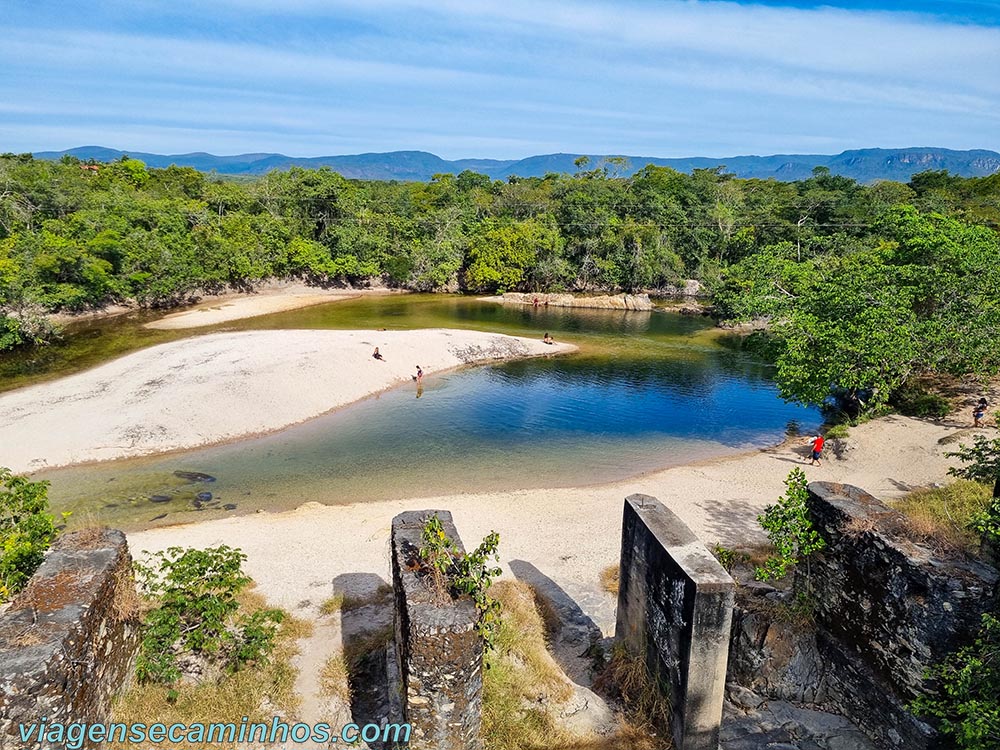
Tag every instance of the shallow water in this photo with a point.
(646, 391)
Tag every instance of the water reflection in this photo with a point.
(647, 390)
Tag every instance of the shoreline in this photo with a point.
(565, 535)
(202, 300)
(153, 400)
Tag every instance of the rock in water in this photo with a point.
(194, 476)
(204, 496)
(160, 498)
(229, 506)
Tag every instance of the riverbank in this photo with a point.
(561, 539)
(269, 299)
(223, 387)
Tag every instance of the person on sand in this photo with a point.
(547, 339)
(978, 412)
(378, 356)
(419, 377)
(817, 443)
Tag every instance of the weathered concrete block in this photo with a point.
(440, 650)
(69, 640)
(886, 609)
(675, 606)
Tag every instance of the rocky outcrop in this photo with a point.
(884, 609)
(604, 302)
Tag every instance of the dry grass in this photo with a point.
(128, 605)
(610, 579)
(334, 679)
(523, 686)
(332, 605)
(258, 692)
(645, 724)
(940, 516)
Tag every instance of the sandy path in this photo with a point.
(222, 387)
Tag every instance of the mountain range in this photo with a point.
(864, 165)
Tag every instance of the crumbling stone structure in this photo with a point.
(675, 607)
(885, 609)
(69, 640)
(440, 651)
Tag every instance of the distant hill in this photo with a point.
(864, 165)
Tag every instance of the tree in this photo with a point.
(966, 704)
(982, 461)
(26, 530)
(789, 528)
(501, 252)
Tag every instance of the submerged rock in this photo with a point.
(229, 506)
(160, 498)
(194, 476)
(204, 496)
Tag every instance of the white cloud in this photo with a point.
(515, 76)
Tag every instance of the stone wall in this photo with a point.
(885, 610)
(440, 651)
(674, 608)
(68, 641)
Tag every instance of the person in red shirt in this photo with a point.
(817, 448)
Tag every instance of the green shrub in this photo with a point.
(789, 529)
(26, 530)
(196, 593)
(464, 573)
(968, 683)
(25, 330)
(917, 402)
(838, 432)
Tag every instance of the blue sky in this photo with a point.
(499, 78)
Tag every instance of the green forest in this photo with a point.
(864, 286)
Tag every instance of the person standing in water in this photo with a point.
(419, 377)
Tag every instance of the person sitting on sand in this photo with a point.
(978, 412)
(817, 443)
(547, 339)
(378, 356)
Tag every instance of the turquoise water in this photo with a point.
(646, 391)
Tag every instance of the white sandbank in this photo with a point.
(231, 307)
(225, 386)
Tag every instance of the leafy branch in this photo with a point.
(464, 573)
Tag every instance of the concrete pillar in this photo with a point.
(440, 651)
(675, 605)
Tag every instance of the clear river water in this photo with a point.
(646, 391)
